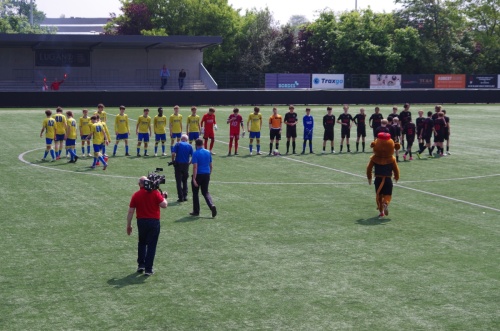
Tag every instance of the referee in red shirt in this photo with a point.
(147, 204)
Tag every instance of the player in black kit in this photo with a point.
(345, 119)
(360, 121)
(328, 124)
(375, 121)
(291, 128)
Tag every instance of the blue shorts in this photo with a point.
(48, 141)
(84, 137)
(122, 136)
(143, 137)
(176, 135)
(59, 137)
(308, 134)
(97, 148)
(255, 135)
(70, 142)
(194, 136)
(160, 137)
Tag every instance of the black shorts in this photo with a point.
(409, 142)
(345, 133)
(427, 139)
(328, 135)
(447, 134)
(439, 138)
(387, 188)
(275, 134)
(291, 131)
(361, 131)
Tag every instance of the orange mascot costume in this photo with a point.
(385, 165)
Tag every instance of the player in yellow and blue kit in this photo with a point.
(143, 132)
(98, 134)
(84, 125)
(60, 131)
(122, 130)
(102, 114)
(106, 130)
(175, 126)
(254, 124)
(48, 125)
(193, 125)
(160, 127)
(308, 122)
(71, 137)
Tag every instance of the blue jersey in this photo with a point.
(203, 158)
(308, 122)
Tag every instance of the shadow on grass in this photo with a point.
(132, 279)
(192, 219)
(373, 221)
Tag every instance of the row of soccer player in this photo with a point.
(207, 126)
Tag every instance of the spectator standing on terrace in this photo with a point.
(164, 74)
(182, 76)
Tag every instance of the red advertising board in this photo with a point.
(449, 81)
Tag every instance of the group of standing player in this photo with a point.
(400, 125)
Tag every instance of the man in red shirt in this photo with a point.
(208, 125)
(55, 84)
(147, 204)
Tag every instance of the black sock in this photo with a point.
(270, 147)
(287, 146)
(304, 146)
(277, 146)
(310, 146)
(348, 148)
(357, 147)
(363, 144)
(341, 146)
(293, 146)
(324, 147)
(431, 150)
(447, 148)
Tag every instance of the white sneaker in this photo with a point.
(251, 153)
(89, 154)
(259, 153)
(164, 154)
(333, 152)
(156, 154)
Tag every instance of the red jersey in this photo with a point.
(55, 85)
(235, 121)
(146, 204)
(208, 122)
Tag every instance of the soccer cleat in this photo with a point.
(127, 154)
(52, 160)
(140, 270)
(89, 154)
(251, 153)
(381, 215)
(236, 153)
(114, 154)
(149, 273)
(269, 154)
(43, 159)
(180, 200)
(146, 154)
(430, 156)
(156, 155)
(67, 156)
(448, 153)
(303, 152)
(213, 153)
(323, 152)
(104, 167)
(311, 152)
(92, 167)
(333, 152)
(138, 155)
(259, 153)
(229, 154)
(58, 157)
(411, 158)
(418, 155)
(194, 214)
(404, 157)
(76, 158)
(163, 154)
(386, 209)
(214, 211)
(71, 161)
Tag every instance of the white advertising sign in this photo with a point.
(327, 81)
(385, 82)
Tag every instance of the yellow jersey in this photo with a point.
(85, 124)
(102, 116)
(160, 124)
(176, 123)
(255, 121)
(60, 123)
(121, 124)
(144, 124)
(193, 123)
(97, 131)
(71, 132)
(106, 129)
(49, 124)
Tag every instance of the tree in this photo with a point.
(15, 17)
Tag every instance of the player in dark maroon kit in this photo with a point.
(235, 121)
(328, 124)
(404, 118)
(208, 125)
(383, 127)
(360, 121)
(437, 109)
(439, 133)
(447, 133)
(345, 119)
(419, 123)
(409, 131)
(427, 134)
(291, 128)
(375, 121)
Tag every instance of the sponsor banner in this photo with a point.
(417, 81)
(449, 81)
(288, 81)
(62, 58)
(328, 81)
(498, 81)
(385, 82)
(481, 81)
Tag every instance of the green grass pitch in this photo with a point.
(296, 245)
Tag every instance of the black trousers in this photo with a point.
(181, 178)
(203, 181)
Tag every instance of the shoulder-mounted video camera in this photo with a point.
(154, 180)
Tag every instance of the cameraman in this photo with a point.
(181, 157)
(147, 203)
